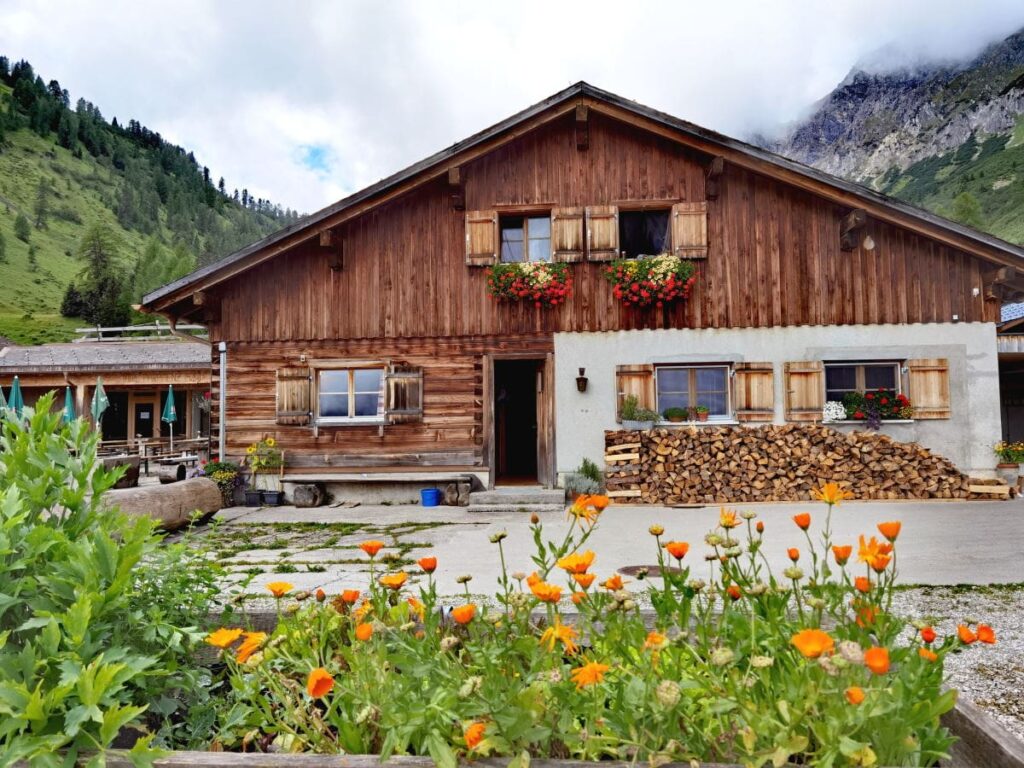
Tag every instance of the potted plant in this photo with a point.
(702, 412)
(1011, 460)
(651, 280)
(264, 459)
(676, 415)
(545, 284)
(635, 417)
(228, 477)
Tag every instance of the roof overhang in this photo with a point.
(840, 191)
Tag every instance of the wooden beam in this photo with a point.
(201, 298)
(849, 226)
(1004, 275)
(712, 176)
(455, 188)
(327, 238)
(582, 127)
(332, 243)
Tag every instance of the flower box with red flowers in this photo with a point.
(651, 280)
(880, 405)
(545, 284)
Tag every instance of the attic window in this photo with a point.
(644, 233)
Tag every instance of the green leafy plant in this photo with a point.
(676, 414)
(631, 410)
(590, 470)
(1010, 453)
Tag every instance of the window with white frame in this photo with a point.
(693, 386)
(860, 377)
(350, 395)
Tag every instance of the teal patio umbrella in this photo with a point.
(3, 400)
(99, 403)
(16, 402)
(69, 406)
(170, 414)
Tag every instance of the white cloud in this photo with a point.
(377, 86)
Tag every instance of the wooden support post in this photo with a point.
(582, 127)
(712, 177)
(849, 227)
(335, 248)
(458, 194)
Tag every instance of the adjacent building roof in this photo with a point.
(1012, 312)
(843, 191)
(104, 356)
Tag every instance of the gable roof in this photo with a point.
(98, 356)
(840, 190)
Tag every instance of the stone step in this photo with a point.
(518, 496)
(540, 509)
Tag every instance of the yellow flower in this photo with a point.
(655, 641)
(577, 562)
(223, 637)
(727, 518)
(280, 588)
(831, 493)
(394, 580)
(589, 674)
(249, 646)
(251, 450)
(546, 593)
(271, 442)
(559, 633)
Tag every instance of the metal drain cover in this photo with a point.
(652, 570)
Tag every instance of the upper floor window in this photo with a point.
(350, 394)
(843, 378)
(525, 238)
(644, 233)
(686, 387)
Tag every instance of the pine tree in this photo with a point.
(41, 209)
(967, 210)
(67, 130)
(3, 249)
(33, 262)
(22, 229)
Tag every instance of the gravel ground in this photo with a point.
(990, 676)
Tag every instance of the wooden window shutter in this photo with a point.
(602, 232)
(634, 380)
(805, 390)
(403, 399)
(482, 238)
(293, 406)
(567, 234)
(690, 230)
(754, 387)
(928, 382)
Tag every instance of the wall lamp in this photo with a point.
(581, 380)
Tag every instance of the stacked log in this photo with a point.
(700, 465)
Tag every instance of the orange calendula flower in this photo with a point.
(812, 643)
(584, 579)
(588, 507)
(589, 674)
(927, 654)
(599, 502)
(546, 593)
(223, 637)
(881, 563)
(319, 683)
(320, 595)
(394, 580)
(831, 493)
(417, 607)
(928, 634)
(862, 584)
(727, 518)
(854, 694)
(760, 526)
(280, 588)
(803, 520)
(966, 636)
(655, 641)
(613, 583)
(474, 734)
(350, 596)
(428, 564)
(372, 547)
(253, 642)
(532, 579)
(734, 592)
(577, 597)
(364, 608)
(577, 562)
(877, 660)
(364, 631)
(865, 615)
(463, 614)
(559, 633)
(874, 553)
(678, 549)
(794, 554)
(890, 530)
(842, 553)
(986, 634)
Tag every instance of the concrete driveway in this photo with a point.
(942, 543)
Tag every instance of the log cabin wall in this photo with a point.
(774, 256)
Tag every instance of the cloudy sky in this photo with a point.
(306, 101)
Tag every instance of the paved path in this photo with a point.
(941, 542)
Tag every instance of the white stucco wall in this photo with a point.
(966, 438)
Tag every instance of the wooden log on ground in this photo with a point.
(172, 506)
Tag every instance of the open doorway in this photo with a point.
(515, 421)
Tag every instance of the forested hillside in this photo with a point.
(93, 213)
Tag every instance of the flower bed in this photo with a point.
(651, 280)
(545, 284)
(737, 667)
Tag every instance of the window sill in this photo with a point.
(708, 423)
(352, 423)
(864, 421)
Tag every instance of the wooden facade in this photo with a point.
(399, 274)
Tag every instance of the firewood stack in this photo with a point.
(699, 465)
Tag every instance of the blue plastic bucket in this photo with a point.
(430, 497)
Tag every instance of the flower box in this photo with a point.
(651, 280)
(545, 284)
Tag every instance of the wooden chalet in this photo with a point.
(365, 340)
